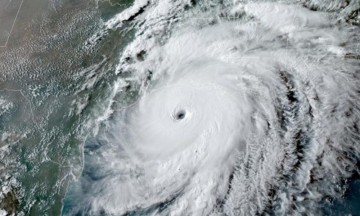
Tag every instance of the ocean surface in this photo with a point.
(163, 107)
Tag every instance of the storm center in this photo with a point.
(180, 115)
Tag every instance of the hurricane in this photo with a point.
(234, 108)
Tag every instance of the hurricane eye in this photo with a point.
(180, 115)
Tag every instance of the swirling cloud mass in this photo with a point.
(244, 109)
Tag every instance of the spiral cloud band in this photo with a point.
(254, 113)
